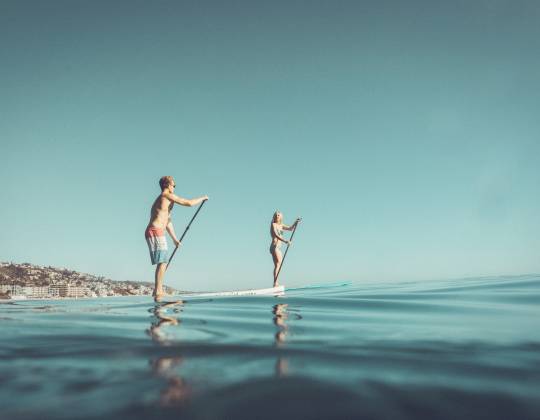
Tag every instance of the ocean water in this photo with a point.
(467, 348)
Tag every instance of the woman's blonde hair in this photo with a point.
(275, 216)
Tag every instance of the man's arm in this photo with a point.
(170, 229)
(184, 201)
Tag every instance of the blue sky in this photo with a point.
(406, 135)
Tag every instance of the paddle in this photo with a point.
(185, 231)
(285, 255)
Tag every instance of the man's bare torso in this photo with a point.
(160, 212)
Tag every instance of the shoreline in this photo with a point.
(26, 299)
(70, 298)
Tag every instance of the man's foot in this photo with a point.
(158, 298)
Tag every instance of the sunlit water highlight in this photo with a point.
(466, 348)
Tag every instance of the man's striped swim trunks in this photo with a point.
(157, 244)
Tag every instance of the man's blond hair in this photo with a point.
(165, 181)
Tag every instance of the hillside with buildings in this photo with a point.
(19, 281)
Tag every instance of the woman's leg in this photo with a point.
(277, 257)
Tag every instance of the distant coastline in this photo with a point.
(29, 281)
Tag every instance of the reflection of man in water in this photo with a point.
(162, 320)
(177, 391)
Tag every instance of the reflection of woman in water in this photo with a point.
(276, 231)
(280, 315)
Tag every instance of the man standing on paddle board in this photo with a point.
(160, 220)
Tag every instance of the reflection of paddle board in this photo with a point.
(252, 292)
(182, 302)
(166, 303)
(321, 286)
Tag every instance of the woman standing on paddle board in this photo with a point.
(276, 231)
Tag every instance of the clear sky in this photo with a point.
(407, 135)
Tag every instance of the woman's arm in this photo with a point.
(285, 227)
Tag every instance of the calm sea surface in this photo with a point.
(467, 348)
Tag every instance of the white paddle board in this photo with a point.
(251, 292)
(321, 285)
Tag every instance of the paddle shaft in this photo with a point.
(185, 231)
(287, 250)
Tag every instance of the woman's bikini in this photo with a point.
(275, 242)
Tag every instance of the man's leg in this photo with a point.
(160, 272)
